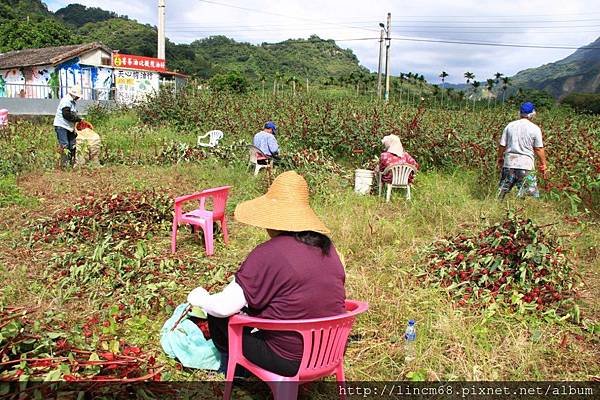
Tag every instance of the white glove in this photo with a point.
(197, 296)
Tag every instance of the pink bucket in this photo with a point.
(3, 117)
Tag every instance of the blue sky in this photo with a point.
(536, 22)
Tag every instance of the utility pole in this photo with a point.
(161, 29)
(379, 65)
(387, 57)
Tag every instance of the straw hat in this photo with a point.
(285, 207)
(393, 145)
(75, 92)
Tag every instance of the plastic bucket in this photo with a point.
(3, 117)
(363, 180)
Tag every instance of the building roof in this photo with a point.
(46, 55)
(173, 74)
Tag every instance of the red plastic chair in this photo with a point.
(201, 217)
(324, 346)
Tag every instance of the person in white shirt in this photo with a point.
(521, 141)
(64, 124)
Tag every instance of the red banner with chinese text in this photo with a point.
(138, 62)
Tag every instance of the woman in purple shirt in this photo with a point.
(297, 274)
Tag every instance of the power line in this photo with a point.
(486, 21)
(499, 16)
(442, 21)
(408, 29)
(428, 40)
(531, 46)
(495, 27)
(283, 15)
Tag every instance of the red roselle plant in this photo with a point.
(513, 263)
(129, 215)
(39, 353)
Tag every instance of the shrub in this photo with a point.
(230, 82)
(583, 102)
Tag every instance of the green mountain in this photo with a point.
(14, 9)
(578, 73)
(29, 24)
(78, 15)
(311, 58)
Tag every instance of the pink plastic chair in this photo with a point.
(324, 346)
(201, 217)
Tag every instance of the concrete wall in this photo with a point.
(95, 57)
(18, 106)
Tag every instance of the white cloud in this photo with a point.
(538, 22)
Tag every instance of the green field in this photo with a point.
(109, 285)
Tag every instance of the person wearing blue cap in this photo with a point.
(266, 142)
(521, 141)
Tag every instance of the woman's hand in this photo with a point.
(197, 296)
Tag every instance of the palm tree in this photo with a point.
(278, 76)
(475, 85)
(450, 94)
(443, 75)
(505, 83)
(262, 78)
(469, 76)
(498, 75)
(489, 87)
(293, 80)
(401, 81)
(461, 96)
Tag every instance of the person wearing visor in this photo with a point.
(521, 141)
(64, 125)
(266, 142)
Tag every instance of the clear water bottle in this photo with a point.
(410, 337)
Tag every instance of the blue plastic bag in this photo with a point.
(187, 343)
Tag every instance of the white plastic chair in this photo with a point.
(400, 175)
(215, 136)
(256, 155)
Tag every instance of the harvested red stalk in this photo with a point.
(32, 360)
(188, 309)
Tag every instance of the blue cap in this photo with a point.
(271, 125)
(527, 108)
(411, 322)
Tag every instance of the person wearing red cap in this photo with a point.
(521, 141)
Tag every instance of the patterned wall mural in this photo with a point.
(47, 82)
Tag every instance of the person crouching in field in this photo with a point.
(296, 274)
(394, 154)
(520, 142)
(64, 124)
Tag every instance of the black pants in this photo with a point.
(66, 140)
(254, 348)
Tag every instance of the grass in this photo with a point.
(381, 243)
